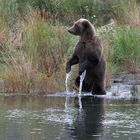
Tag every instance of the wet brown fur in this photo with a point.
(88, 53)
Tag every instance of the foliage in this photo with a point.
(122, 47)
(34, 44)
(36, 52)
(66, 11)
(127, 48)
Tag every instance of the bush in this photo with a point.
(122, 47)
(37, 54)
(127, 48)
(66, 11)
(34, 45)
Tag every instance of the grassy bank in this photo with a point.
(122, 47)
(34, 43)
(33, 57)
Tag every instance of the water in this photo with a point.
(68, 116)
(68, 75)
(105, 117)
(82, 77)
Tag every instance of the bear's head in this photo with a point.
(82, 27)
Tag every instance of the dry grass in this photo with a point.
(34, 44)
(33, 59)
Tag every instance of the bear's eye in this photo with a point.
(76, 26)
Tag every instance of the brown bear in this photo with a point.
(89, 54)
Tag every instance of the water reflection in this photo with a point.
(52, 118)
(134, 90)
(88, 124)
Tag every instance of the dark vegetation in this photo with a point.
(34, 43)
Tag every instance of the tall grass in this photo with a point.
(34, 44)
(122, 48)
(66, 11)
(35, 56)
(127, 48)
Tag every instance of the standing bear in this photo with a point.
(89, 54)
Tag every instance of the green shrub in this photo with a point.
(37, 53)
(122, 45)
(34, 44)
(127, 48)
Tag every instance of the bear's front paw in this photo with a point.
(68, 68)
(80, 72)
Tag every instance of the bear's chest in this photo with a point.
(82, 50)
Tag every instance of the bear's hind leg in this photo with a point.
(98, 89)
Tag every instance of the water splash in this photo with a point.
(80, 102)
(66, 102)
(82, 77)
(68, 75)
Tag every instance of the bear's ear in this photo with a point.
(85, 24)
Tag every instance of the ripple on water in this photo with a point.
(16, 113)
(48, 115)
(36, 131)
(117, 91)
(62, 116)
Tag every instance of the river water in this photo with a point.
(58, 117)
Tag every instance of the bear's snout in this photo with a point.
(71, 30)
